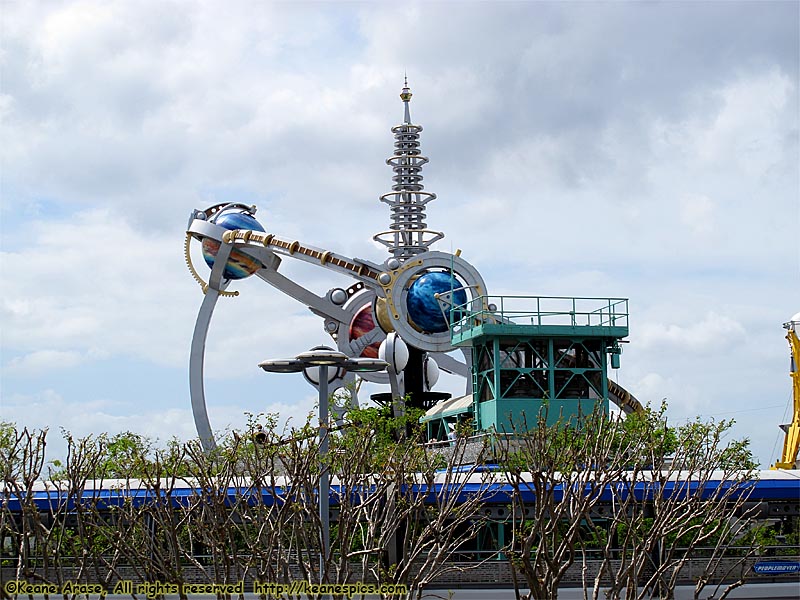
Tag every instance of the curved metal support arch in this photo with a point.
(216, 284)
(196, 360)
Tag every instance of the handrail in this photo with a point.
(772, 552)
(539, 311)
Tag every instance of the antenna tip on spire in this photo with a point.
(405, 94)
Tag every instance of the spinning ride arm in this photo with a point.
(366, 272)
(264, 250)
(263, 247)
(624, 399)
(388, 283)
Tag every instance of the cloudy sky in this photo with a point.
(644, 150)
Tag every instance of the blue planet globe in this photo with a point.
(423, 308)
(239, 265)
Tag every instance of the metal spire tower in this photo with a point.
(408, 234)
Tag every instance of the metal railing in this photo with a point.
(764, 553)
(538, 311)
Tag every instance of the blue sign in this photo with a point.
(776, 567)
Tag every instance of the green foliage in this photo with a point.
(386, 426)
(21, 452)
(656, 440)
(387, 433)
(768, 535)
(8, 434)
(126, 454)
(257, 446)
(707, 442)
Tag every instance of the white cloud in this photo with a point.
(92, 284)
(713, 332)
(682, 397)
(698, 214)
(35, 362)
(748, 129)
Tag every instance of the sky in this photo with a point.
(646, 150)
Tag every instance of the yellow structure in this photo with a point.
(791, 443)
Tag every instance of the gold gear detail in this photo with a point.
(203, 285)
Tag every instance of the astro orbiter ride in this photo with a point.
(396, 296)
(404, 301)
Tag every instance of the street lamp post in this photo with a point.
(323, 359)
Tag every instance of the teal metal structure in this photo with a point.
(532, 352)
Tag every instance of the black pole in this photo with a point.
(414, 378)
